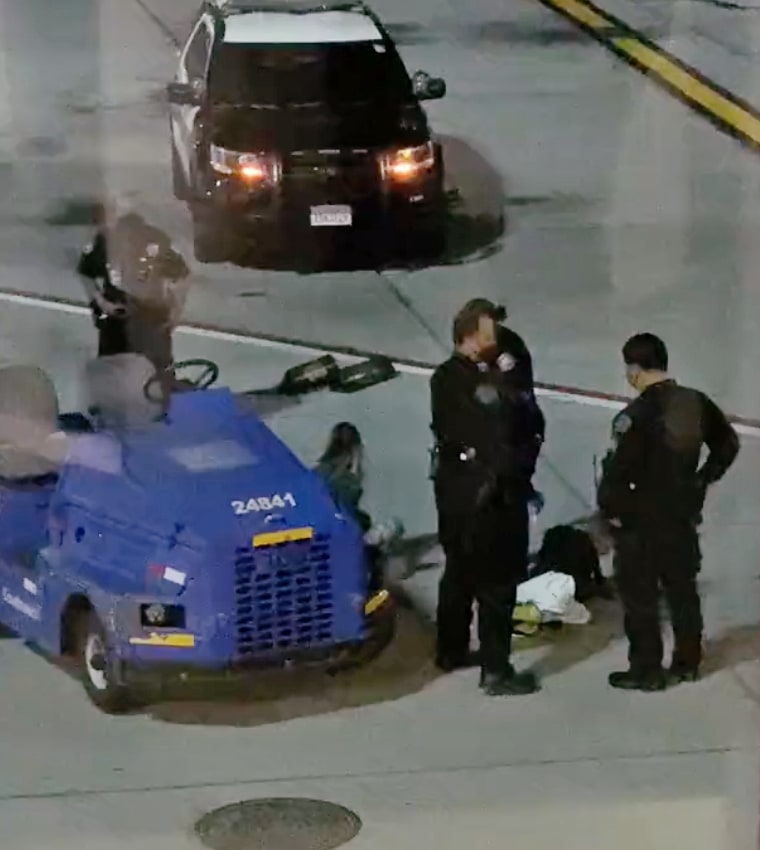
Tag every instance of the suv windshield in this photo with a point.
(303, 74)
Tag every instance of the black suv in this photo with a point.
(300, 117)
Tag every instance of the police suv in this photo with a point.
(287, 116)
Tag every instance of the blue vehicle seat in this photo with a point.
(32, 449)
(115, 391)
(31, 444)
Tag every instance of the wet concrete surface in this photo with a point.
(621, 209)
(96, 781)
(720, 38)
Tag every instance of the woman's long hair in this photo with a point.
(344, 452)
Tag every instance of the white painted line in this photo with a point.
(282, 345)
(44, 303)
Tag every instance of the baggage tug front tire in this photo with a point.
(97, 670)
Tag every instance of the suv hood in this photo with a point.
(318, 127)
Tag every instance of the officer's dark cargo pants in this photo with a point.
(648, 559)
(486, 558)
(136, 334)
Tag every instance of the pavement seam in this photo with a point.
(378, 774)
(167, 31)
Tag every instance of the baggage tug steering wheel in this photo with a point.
(208, 376)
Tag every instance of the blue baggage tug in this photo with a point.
(197, 545)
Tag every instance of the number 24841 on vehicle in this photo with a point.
(263, 503)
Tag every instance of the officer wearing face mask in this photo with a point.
(482, 505)
(652, 492)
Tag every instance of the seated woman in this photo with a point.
(342, 468)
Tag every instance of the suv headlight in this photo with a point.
(253, 168)
(408, 163)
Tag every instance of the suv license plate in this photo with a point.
(331, 216)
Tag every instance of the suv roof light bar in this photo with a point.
(237, 7)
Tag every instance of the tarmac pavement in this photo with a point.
(624, 211)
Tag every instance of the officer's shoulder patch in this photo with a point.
(621, 424)
(506, 362)
(89, 247)
(152, 249)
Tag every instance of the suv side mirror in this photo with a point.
(427, 87)
(183, 94)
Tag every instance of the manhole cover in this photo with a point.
(281, 823)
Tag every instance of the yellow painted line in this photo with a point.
(689, 85)
(376, 601)
(581, 13)
(175, 641)
(272, 538)
(709, 99)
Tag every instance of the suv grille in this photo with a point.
(324, 177)
(283, 597)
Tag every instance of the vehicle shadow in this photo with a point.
(475, 225)
(81, 211)
(404, 667)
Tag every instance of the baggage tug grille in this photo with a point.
(283, 596)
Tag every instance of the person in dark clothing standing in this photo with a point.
(138, 302)
(482, 508)
(107, 300)
(652, 491)
(512, 361)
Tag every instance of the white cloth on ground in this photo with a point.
(554, 596)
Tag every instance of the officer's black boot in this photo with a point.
(633, 680)
(687, 658)
(677, 674)
(509, 683)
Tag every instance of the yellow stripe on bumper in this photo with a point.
(289, 535)
(175, 641)
(374, 602)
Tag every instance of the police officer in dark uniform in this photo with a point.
(138, 302)
(652, 491)
(107, 300)
(482, 507)
(514, 363)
